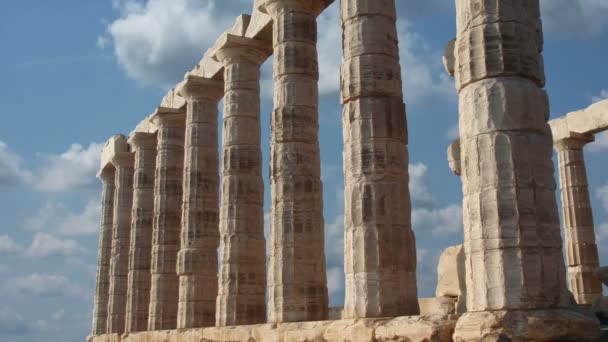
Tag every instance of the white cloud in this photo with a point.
(334, 241)
(442, 221)
(575, 18)
(45, 286)
(419, 183)
(335, 280)
(157, 41)
(45, 245)
(603, 95)
(12, 170)
(601, 232)
(56, 217)
(600, 144)
(12, 323)
(9, 246)
(602, 194)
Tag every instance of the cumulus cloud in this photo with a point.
(56, 217)
(335, 281)
(12, 323)
(445, 220)
(9, 246)
(49, 286)
(419, 183)
(575, 18)
(12, 170)
(46, 245)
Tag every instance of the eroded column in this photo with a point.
(102, 286)
(121, 235)
(197, 259)
(297, 289)
(581, 249)
(242, 279)
(514, 261)
(167, 218)
(140, 251)
(379, 244)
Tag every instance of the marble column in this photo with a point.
(379, 244)
(297, 282)
(121, 234)
(140, 251)
(515, 272)
(197, 259)
(242, 278)
(102, 286)
(167, 218)
(581, 250)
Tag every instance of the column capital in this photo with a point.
(140, 140)
(124, 159)
(196, 87)
(232, 48)
(273, 7)
(169, 117)
(106, 174)
(575, 141)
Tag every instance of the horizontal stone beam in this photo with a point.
(116, 144)
(589, 121)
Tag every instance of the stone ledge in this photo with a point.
(434, 328)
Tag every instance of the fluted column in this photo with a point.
(140, 251)
(102, 286)
(297, 282)
(197, 259)
(167, 218)
(242, 278)
(379, 244)
(581, 249)
(121, 234)
(515, 274)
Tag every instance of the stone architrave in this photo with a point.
(197, 259)
(297, 281)
(121, 235)
(102, 286)
(242, 278)
(379, 244)
(515, 274)
(167, 218)
(581, 249)
(140, 251)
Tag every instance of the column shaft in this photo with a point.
(242, 279)
(121, 234)
(297, 289)
(167, 219)
(197, 259)
(140, 251)
(581, 249)
(102, 287)
(380, 248)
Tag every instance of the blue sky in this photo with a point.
(73, 73)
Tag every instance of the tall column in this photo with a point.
(167, 218)
(121, 234)
(140, 251)
(197, 259)
(102, 286)
(297, 282)
(379, 244)
(581, 249)
(515, 274)
(242, 279)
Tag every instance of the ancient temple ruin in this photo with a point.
(166, 211)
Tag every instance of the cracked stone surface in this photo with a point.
(379, 244)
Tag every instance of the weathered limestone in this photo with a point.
(513, 246)
(297, 289)
(242, 278)
(102, 286)
(197, 259)
(167, 218)
(581, 250)
(140, 251)
(121, 235)
(379, 244)
(451, 280)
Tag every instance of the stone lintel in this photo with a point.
(260, 25)
(145, 126)
(407, 328)
(116, 144)
(589, 121)
(164, 115)
(106, 172)
(449, 57)
(573, 141)
(173, 100)
(196, 87)
(230, 46)
(311, 6)
(123, 159)
(142, 139)
(454, 157)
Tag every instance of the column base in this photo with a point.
(527, 325)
